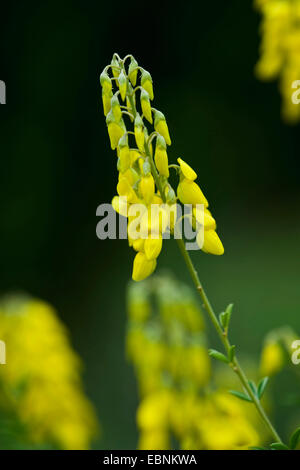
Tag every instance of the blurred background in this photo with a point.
(57, 167)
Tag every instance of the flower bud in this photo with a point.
(189, 192)
(146, 168)
(122, 80)
(160, 126)
(115, 66)
(170, 196)
(124, 154)
(147, 188)
(115, 106)
(106, 98)
(146, 106)
(133, 71)
(161, 161)
(146, 82)
(211, 244)
(105, 82)
(152, 248)
(187, 171)
(142, 267)
(115, 129)
(139, 132)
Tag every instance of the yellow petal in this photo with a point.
(212, 243)
(153, 248)
(161, 161)
(142, 267)
(190, 193)
(187, 171)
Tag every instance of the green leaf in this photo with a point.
(295, 437)
(224, 317)
(240, 395)
(253, 387)
(217, 355)
(231, 353)
(279, 446)
(258, 448)
(261, 386)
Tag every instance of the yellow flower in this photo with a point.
(272, 358)
(160, 126)
(142, 267)
(146, 106)
(153, 248)
(161, 161)
(212, 243)
(133, 71)
(106, 98)
(187, 171)
(204, 218)
(46, 371)
(139, 133)
(115, 129)
(189, 192)
(146, 82)
(147, 188)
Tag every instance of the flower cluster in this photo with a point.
(127, 92)
(280, 53)
(166, 343)
(41, 383)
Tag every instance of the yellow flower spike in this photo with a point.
(147, 84)
(146, 106)
(106, 98)
(120, 205)
(160, 125)
(187, 171)
(205, 219)
(147, 188)
(139, 133)
(212, 243)
(122, 80)
(105, 82)
(152, 247)
(115, 129)
(142, 267)
(133, 71)
(138, 244)
(115, 106)
(189, 192)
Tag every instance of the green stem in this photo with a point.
(194, 275)
(226, 343)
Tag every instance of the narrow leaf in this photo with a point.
(279, 446)
(217, 355)
(231, 353)
(261, 386)
(240, 395)
(295, 437)
(253, 387)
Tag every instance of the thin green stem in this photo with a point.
(226, 343)
(194, 275)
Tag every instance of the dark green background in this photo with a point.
(57, 167)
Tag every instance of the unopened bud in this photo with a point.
(132, 71)
(160, 126)
(147, 84)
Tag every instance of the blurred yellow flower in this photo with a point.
(45, 370)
